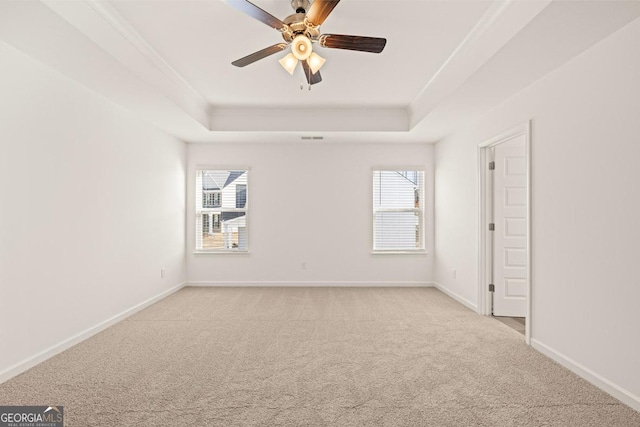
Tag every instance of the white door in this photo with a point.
(510, 233)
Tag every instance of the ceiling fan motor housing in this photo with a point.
(300, 6)
(297, 25)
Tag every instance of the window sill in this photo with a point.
(214, 252)
(392, 252)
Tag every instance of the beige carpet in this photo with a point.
(312, 357)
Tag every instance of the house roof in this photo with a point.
(218, 180)
(233, 176)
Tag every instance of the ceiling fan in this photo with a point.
(301, 30)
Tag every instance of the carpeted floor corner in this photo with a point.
(312, 357)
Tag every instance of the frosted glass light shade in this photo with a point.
(316, 62)
(301, 47)
(289, 63)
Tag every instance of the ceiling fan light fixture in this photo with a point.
(316, 62)
(289, 63)
(301, 47)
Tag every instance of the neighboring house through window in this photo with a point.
(398, 210)
(221, 210)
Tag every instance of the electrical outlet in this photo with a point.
(454, 273)
(303, 265)
(163, 273)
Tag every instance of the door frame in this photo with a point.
(484, 206)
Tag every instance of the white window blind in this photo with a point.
(221, 210)
(398, 210)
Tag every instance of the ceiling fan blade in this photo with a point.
(311, 78)
(257, 13)
(319, 11)
(255, 56)
(359, 43)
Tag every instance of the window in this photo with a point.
(211, 199)
(221, 210)
(398, 210)
(241, 195)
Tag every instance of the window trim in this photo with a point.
(422, 212)
(246, 209)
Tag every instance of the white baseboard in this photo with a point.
(456, 297)
(32, 361)
(347, 284)
(599, 381)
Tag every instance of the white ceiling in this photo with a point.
(206, 36)
(446, 62)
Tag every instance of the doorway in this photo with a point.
(504, 284)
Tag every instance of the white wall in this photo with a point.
(91, 208)
(586, 210)
(312, 203)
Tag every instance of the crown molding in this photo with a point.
(497, 26)
(103, 24)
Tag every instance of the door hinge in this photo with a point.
(492, 166)
(492, 226)
(492, 287)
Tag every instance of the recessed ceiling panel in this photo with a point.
(200, 39)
